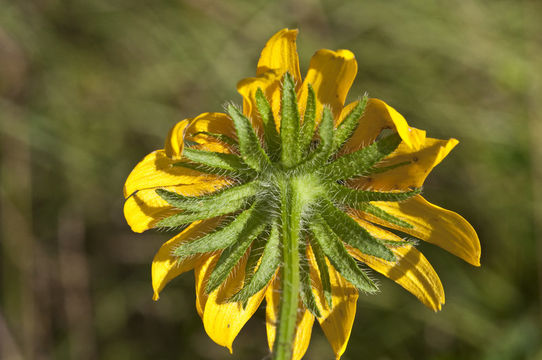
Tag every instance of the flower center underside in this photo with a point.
(289, 185)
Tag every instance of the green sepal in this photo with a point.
(339, 257)
(381, 214)
(232, 255)
(352, 197)
(186, 217)
(320, 156)
(362, 161)
(347, 127)
(382, 169)
(223, 161)
(306, 294)
(320, 258)
(189, 143)
(267, 268)
(309, 123)
(397, 243)
(354, 234)
(211, 202)
(245, 173)
(219, 239)
(271, 136)
(251, 150)
(220, 137)
(289, 122)
(255, 253)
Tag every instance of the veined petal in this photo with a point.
(412, 175)
(412, 270)
(379, 116)
(280, 54)
(331, 73)
(145, 208)
(336, 322)
(222, 319)
(269, 82)
(433, 224)
(305, 320)
(157, 170)
(166, 267)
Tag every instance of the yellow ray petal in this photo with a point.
(145, 208)
(421, 162)
(157, 170)
(305, 320)
(412, 270)
(331, 73)
(280, 54)
(217, 123)
(222, 319)
(378, 116)
(166, 267)
(202, 271)
(175, 140)
(269, 82)
(433, 224)
(335, 322)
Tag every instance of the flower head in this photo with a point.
(283, 199)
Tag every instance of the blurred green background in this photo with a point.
(87, 88)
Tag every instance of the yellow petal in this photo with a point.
(145, 208)
(166, 267)
(222, 319)
(217, 123)
(304, 323)
(202, 271)
(412, 270)
(175, 140)
(335, 322)
(421, 162)
(157, 170)
(280, 54)
(379, 116)
(331, 73)
(433, 224)
(269, 82)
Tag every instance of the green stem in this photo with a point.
(291, 207)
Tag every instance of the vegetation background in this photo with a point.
(87, 88)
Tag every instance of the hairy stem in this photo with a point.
(292, 206)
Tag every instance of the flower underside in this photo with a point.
(289, 180)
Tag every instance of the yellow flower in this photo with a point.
(295, 187)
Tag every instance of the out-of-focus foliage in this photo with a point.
(87, 88)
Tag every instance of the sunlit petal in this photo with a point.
(413, 174)
(269, 82)
(433, 224)
(222, 319)
(379, 116)
(145, 208)
(216, 123)
(336, 322)
(412, 270)
(280, 54)
(166, 267)
(158, 170)
(331, 73)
